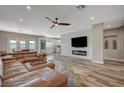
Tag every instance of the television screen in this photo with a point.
(79, 41)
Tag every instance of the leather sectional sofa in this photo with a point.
(13, 73)
(45, 77)
(25, 57)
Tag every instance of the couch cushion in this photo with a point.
(63, 81)
(31, 59)
(41, 57)
(31, 67)
(21, 60)
(38, 82)
(29, 55)
(18, 56)
(45, 74)
(14, 71)
(9, 61)
(1, 68)
(12, 64)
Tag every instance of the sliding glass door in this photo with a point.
(31, 44)
(12, 45)
(17, 45)
(22, 45)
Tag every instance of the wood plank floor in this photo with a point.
(83, 73)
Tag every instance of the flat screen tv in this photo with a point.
(79, 41)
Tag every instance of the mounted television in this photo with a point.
(79, 41)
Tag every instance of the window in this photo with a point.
(32, 45)
(13, 45)
(22, 45)
(48, 44)
(43, 44)
(106, 44)
(114, 44)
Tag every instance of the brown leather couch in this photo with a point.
(14, 71)
(25, 57)
(45, 77)
(14, 74)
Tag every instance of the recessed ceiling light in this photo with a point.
(92, 18)
(21, 20)
(108, 25)
(28, 8)
(56, 29)
(20, 30)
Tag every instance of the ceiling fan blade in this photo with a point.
(52, 26)
(66, 24)
(49, 19)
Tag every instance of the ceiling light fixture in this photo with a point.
(92, 18)
(108, 25)
(20, 30)
(21, 20)
(56, 24)
(28, 8)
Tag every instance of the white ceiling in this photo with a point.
(34, 21)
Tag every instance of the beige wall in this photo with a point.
(95, 43)
(66, 47)
(111, 53)
(4, 36)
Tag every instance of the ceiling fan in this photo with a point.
(56, 23)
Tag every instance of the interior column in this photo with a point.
(97, 47)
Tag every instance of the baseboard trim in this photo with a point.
(99, 62)
(113, 59)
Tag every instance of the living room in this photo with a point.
(77, 45)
